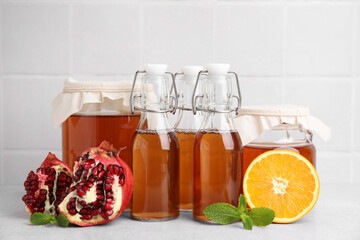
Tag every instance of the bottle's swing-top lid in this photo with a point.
(155, 69)
(216, 69)
(252, 120)
(192, 71)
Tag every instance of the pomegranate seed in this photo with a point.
(92, 178)
(89, 184)
(100, 166)
(62, 184)
(68, 179)
(82, 202)
(104, 215)
(109, 213)
(109, 206)
(108, 187)
(95, 171)
(62, 177)
(81, 193)
(87, 217)
(101, 174)
(109, 180)
(108, 173)
(122, 180)
(72, 211)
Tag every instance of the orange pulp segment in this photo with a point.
(284, 181)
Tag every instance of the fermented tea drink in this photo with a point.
(186, 128)
(217, 147)
(155, 149)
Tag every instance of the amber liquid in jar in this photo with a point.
(155, 164)
(186, 139)
(217, 170)
(251, 151)
(80, 132)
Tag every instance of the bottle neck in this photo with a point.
(185, 91)
(188, 121)
(218, 122)
(154, 122)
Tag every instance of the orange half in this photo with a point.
(284, 181)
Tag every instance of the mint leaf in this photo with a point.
(261, 216)
(242, 204)
(39, 218)
(222, 213)
(52, 219)
(62, 220)
(247, 221)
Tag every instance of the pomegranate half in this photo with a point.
(46, 188)
(101, 190)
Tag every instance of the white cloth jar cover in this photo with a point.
(81, 96)
(252, 120)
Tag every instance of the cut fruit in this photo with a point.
(284, 181)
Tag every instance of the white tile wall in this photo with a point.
(250, 37)
(255, 91)
(1, 128)
(302, 52)
(105, 38)
(27, 117)
(19, 163)
(356, 169)
(177, 33)
(334, 167)
(319, 39)
(35, 38)
(356, 63)
(356, 132)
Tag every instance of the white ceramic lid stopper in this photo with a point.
(191, 70)
(217, 68)
(156, 69)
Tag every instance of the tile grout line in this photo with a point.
(70, 40)
(354, 39)
(141, 32)
(2, 85)
(284, 57)
(215, 6)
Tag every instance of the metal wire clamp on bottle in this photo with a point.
(174, 99)
(195, 97)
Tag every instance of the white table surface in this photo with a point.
(335, 216)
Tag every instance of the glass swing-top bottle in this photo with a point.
(186, 128)
(217, 147)
(155, 149)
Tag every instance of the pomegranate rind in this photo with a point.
(104, 154)
(59, 166)
(51, 161)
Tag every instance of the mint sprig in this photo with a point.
(225, 213)
(62, 220)
(39, 218)
(222, 213)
